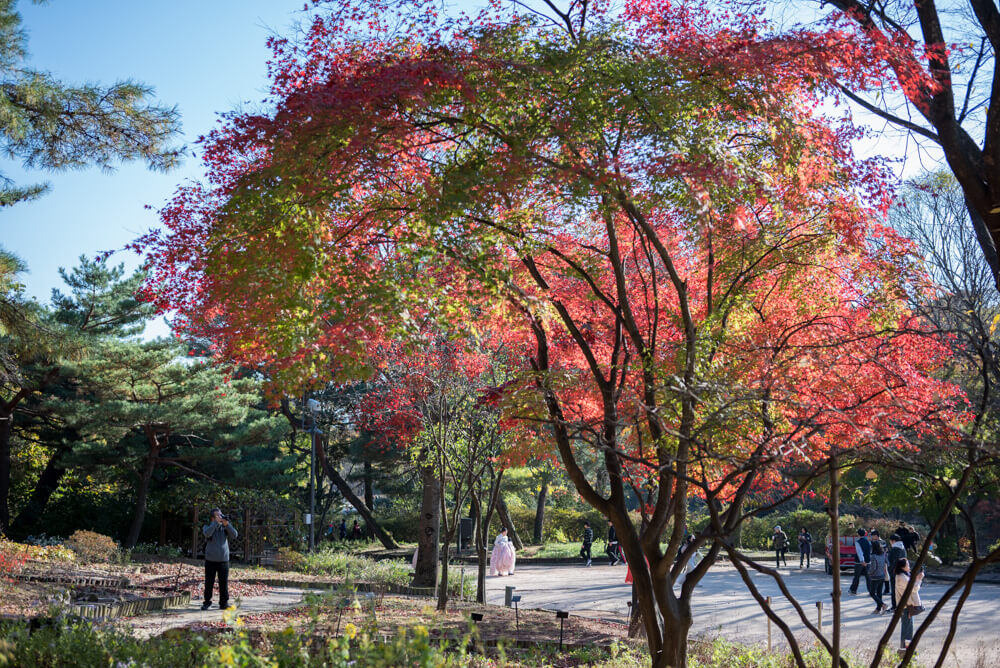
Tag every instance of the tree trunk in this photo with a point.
(369, 492)
(6, 422)
(428, 540)
(665, 618)
(505, 519)
(345, 489)
(47, 484)
(479, 541)
(443, 585)
(834, 511)
(540, 514)
(142, 492)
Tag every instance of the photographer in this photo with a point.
(217, 532)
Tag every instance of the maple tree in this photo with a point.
(647, 208)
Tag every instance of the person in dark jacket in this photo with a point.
(217, 533)
(805, 546)
(356, 531)
(588, 540)
(863, 552)
(343, 529)
(780, 542)
(613, 549)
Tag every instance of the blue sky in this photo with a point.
(206, 57)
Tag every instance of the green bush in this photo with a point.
(561, 524)
(328, 560)
(757, 531)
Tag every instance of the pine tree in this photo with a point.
(52, 125)
(45, 352)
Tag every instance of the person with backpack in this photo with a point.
(780, 543)
(912, 606)
(897, 551)
(863, 550)
(878, 573)
(805, 546)
(588, 540)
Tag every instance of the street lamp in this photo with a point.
(313, 407)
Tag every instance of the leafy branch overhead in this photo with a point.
(51, 125)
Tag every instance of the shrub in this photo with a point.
(12, 558)
(157, 550)
(288, 559)
(92, 547)
(561, 524)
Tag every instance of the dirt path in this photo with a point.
(274, 599)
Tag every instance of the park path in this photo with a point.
(275, 599)
(723, 607)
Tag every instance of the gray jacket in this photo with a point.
(217, 546)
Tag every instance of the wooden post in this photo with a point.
(249, 553)
(768, 626)
(194, 532)
(819, 615)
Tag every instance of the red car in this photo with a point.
(848, 556)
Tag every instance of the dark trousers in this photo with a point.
(585, 551)
(612, 551)
(220, 568)
(891, 582)
(875, 591)
(804, 556)
(779, 556)
(859, 572)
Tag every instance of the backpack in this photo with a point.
(877, 567)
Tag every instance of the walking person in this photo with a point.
(897, 551)
(878, 573)
(805, 546)
(588, 540)
(780, 542)
(863, 552)
(912, 606)
(217, 532)
(356, 531)
(343, 529)
(688, 553)
(877, 538)
(613, 549)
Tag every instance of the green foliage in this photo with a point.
(757, 531)
(561, 524)
(158, 550)
(342, 564)
(67, 642)
(722, 653)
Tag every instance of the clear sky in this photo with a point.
(205, 56)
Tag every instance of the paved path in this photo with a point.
(276, 598)
(723, 607)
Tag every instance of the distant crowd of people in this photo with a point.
(356, 532)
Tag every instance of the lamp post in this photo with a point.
(312, 406)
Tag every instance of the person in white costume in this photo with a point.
(503, 557)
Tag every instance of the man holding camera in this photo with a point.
(217, 532)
